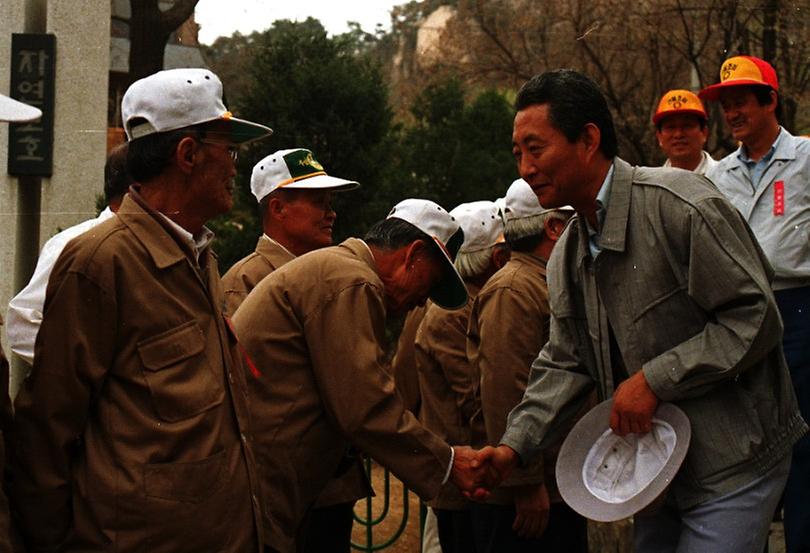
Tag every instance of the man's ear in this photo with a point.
(185, 154)
(500, 256)
(412, 252)
(554, 228)
(275, 208)
(590, 138)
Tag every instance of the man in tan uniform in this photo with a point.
(447, 381)
(508, 327)
(132, 430)
(295, 195)
(314, 329)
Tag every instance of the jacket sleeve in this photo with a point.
(558, 385)
(25, 309)
(512, 328)
(358, 392)
(729, 279)
(72, 357)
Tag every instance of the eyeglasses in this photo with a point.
(233, 149)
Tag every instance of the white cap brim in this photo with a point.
(14, 111)
(322, 182)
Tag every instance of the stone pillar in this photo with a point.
(82, 29)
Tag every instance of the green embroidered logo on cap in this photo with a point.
(301, 164)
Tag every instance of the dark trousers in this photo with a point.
(567, 531)
(794, 306)
(327, 530)
(455, 530)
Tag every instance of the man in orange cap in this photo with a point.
(680, 126)
(766, 179)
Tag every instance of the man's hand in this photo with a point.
(477, 472)
(471, 472)
(634, 405)
(503, 459)
(532, 507)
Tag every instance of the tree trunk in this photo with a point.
(149, 29)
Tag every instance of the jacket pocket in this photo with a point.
(178, 373)
(189, 482)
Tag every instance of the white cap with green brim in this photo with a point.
(178, 98)
(436, 222)
(296, 168)
(14, 111)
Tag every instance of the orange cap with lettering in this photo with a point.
(742, 70)
(679, 101)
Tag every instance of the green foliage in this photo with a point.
(456, 151)
(317, 92)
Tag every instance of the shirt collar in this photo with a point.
(197, 243)
(278, 244)
(602, 199)
(742, 152)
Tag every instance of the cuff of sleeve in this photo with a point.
(512, 440)
(655, 373)
(449, 466)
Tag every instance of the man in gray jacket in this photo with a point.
(658, 292)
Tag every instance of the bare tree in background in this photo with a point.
(149, 31)
(634, 50)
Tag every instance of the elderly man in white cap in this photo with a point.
(295, 195)
(15, 112)
(508, 327)
(447, 380)
(315, 330)
(132, 429)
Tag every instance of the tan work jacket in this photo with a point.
(686, 289)
(238, 282)
(403, 366)
(246, 273)
(446, 383)
(507, 328)
(132, 430)
(315, 328)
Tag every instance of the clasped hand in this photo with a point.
(476, 472)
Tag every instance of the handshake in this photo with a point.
(476, 472)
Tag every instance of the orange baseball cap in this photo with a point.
(679, 101)
(742, 70)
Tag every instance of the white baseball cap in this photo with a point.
(15, 111)
(481, 223)
(295, 168)
(607, 477)
(436, 222)
(178, 98)
(521, 202)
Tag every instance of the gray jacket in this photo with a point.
(783, 234)
(687, 292)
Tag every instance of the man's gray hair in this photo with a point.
(473, 264)
(515, 229)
